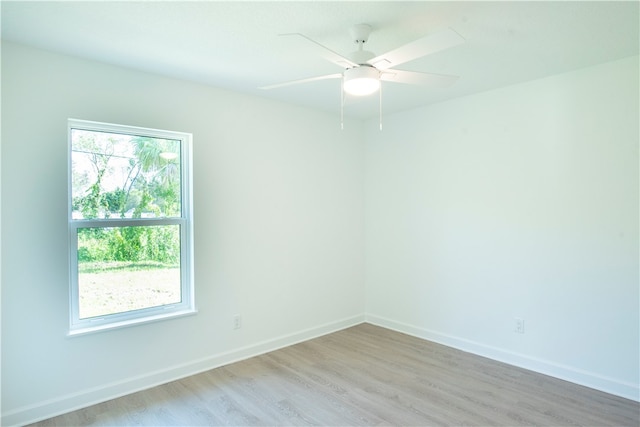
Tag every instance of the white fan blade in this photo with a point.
(327, 53)
(417, 48)
(414, 78)
(310, 79)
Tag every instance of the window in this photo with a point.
(130, 226)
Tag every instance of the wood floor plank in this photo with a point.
(362, 376)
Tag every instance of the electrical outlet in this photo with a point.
(237, 321)
(519, 326)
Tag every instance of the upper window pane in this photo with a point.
(123, 176)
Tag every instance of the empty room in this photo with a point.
(320, 213)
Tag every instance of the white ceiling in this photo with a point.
(235, 45)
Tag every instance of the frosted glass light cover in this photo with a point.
(361, 81)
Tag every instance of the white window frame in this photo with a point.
(185, 221)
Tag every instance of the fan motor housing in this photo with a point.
(362, 56)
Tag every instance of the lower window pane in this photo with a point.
(122, 269)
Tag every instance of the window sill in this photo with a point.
(127, 323)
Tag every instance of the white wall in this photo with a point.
(520, 202)
(278, 212)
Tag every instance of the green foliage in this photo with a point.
(147, 185)
(101, 267)
(115, 201)
(93, 203)
(155, 244)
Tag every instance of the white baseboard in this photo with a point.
(71, 402)
(567, 373)
(53, 407)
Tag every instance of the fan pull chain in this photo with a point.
(380, 106)
(342, 105)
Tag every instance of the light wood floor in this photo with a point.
(364, 375)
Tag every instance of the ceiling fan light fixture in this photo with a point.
(361, 81)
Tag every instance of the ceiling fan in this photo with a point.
(363, 71)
